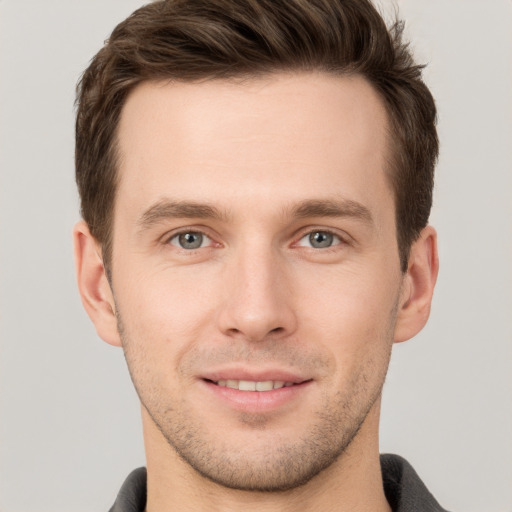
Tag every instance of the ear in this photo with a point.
(418, 286)
(93, 284)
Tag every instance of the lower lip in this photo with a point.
(257, 401)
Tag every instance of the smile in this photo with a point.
(249, 385)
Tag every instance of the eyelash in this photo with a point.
(341, 240)
(168, 239)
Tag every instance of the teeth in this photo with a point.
(268, 385)
(249, 385)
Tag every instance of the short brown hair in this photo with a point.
(188, 40)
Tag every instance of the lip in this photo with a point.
(259, 375)
(255, 402)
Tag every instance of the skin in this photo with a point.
(255, 168)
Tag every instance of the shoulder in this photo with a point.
(132, 495)
(404, 489)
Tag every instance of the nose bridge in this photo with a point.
(257, 301)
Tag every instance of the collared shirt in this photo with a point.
(404, 490)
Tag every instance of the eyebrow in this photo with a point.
(168, 209)
(332, 208)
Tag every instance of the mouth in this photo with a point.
(263, 395)
(254, 390)
(251, 385)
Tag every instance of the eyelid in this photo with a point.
(204, 243)
(344, 239)
(166, 239)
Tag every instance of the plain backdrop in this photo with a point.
(69, 419)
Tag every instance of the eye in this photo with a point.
(319, 240)
(190, 240)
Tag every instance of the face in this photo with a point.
(255, 270)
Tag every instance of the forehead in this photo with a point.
(281, 135)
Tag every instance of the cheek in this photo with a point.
(348, 297)
(351, 313)
(160, 325)
(165, 310)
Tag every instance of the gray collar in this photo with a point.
(404, 489)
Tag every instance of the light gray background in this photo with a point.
(69, 419)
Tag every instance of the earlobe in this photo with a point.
(93, 284)
(418, 286)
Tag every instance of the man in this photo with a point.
(256, 181)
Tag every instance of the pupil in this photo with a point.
(321, 239)
(191, 240)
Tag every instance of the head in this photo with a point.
(256, 181)
(195, 41)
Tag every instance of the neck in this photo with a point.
(353, 482)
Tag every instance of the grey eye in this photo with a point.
(191, 240)
(321, 239)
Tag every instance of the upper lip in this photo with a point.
(255, 375)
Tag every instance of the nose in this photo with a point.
(258, 297)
